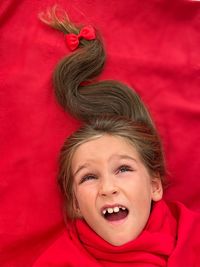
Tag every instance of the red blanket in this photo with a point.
(170, 238)
(151, 45)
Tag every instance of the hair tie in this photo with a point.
(86, 32)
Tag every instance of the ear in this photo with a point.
(78, 213)
(76, 208)
(156, 189)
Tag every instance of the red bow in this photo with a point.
(86, 32)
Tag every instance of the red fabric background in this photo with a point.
(152, 45)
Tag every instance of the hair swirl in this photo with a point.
(75, 88)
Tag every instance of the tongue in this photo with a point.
(116, 216)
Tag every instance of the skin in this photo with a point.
(108, 171)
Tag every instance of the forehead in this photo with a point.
(106, 147)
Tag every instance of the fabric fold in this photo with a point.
(170, 238)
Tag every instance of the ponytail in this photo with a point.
(75, 88)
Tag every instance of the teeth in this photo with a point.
(116, 209)
(111, 210)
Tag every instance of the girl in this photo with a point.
(112, 171)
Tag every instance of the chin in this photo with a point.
(120, 241)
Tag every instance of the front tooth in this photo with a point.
(110, 210)
(116, 209)
(104, 212)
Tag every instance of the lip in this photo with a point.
(118, 222)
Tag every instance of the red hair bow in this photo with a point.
(86, 32)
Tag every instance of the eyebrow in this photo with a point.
(126, 157)
(80, 168)
(84, 166)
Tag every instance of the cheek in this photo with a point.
(139, 192)
(86, 197)
(138, 184)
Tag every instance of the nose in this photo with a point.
(108, 188)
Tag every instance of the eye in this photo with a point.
(87, 177)
(125, 168)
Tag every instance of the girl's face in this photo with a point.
(113, 188)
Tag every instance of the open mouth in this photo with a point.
(115, 213)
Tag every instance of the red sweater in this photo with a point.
(171, 238)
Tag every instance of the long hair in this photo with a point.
(105, 107)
